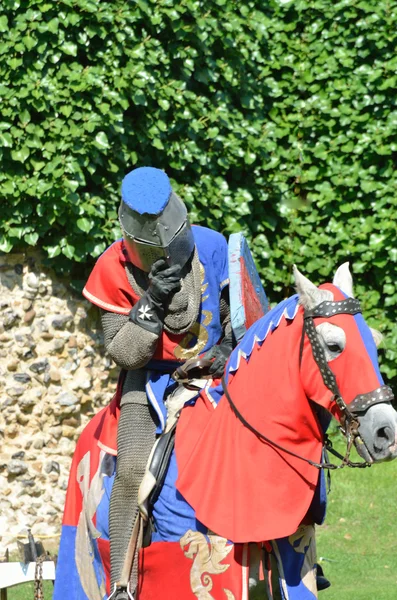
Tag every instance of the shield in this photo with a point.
(248, 301)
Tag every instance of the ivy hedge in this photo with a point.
(276, 118)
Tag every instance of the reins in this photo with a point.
(361, 403)
(267, 439)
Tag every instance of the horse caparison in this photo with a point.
(384, 393)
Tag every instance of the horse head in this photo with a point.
(348, 345)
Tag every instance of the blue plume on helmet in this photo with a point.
(146, 190)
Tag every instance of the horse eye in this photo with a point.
(334, 348)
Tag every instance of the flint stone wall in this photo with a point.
(54, 376)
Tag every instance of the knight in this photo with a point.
(163, 294)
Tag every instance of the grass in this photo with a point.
(26, 591)
(357, 544)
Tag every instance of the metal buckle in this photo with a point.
(120, 592)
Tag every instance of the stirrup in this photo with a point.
(121, 593)
(322, 582)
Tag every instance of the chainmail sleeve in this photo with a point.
(130, 346)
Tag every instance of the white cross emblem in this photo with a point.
(144, 313)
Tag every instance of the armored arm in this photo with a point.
(131, 340)
(130, 346)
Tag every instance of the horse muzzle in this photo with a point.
(378, 432)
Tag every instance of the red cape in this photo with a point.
(107, 286)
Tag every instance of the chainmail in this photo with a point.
(134, 391)
(183, 309)
(224, 308)
(135, 439)
(121, 337)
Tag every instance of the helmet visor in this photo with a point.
(143, 254)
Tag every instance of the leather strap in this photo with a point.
(362, 402)
(194, 368)
(134, 545)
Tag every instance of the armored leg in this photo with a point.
(135, 439)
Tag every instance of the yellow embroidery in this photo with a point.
(206, 562)
(203, 285)
(196, 338)
(198, 333)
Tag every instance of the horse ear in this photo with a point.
(309, 295)
(344, 280)
(378, 337)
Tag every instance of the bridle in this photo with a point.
(350, 412)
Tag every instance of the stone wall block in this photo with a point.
(16, 467)
(67, 399)
(10, 319)
(29, 316)
(64, 321)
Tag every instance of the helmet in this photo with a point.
(154, 220)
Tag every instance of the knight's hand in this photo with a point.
(219, 354)
(163, 282)
(149, 311)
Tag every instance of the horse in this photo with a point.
(245, 484)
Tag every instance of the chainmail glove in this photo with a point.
(149, 311)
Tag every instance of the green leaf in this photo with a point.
(7, 187)
(20, 155)
(53, 251)
(212, 132)
(165, 105)
(69, 251)
(139, 98)
(5, 244)
(24, 117)
(31, 238)
(101, 140)
(29, 42)
(69, 48)
(52, 25)
(157, 143)
(98, 250)
(5, 140)
(85, 224)
(3, 23)
(249, 158)
(369, 186)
